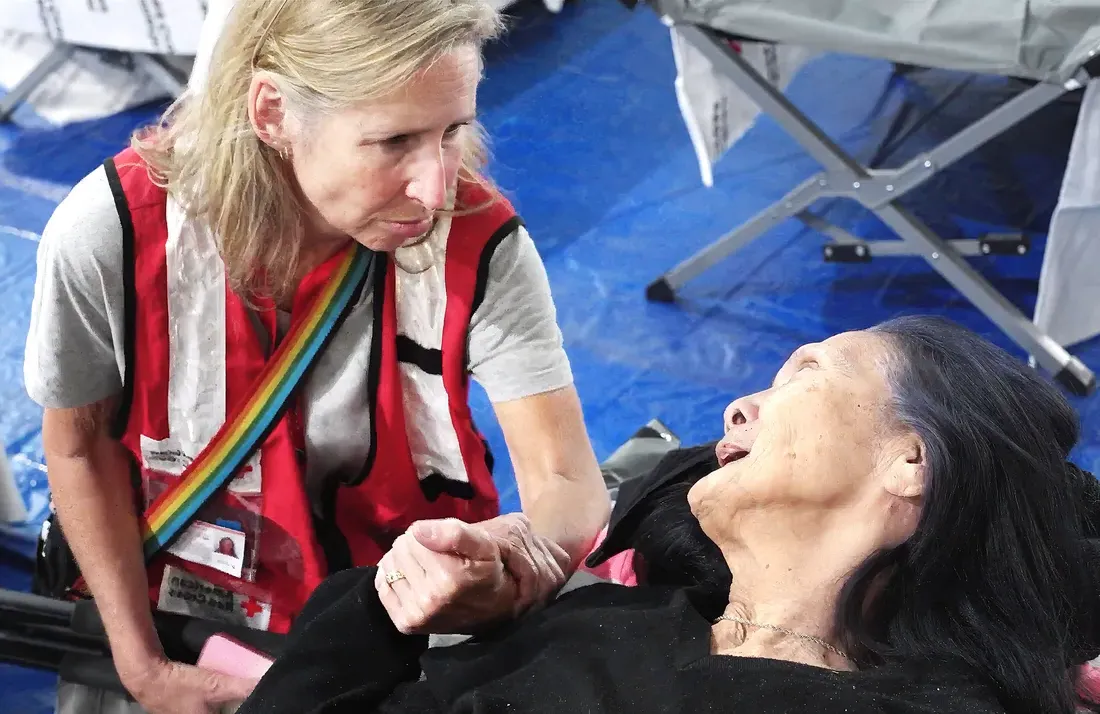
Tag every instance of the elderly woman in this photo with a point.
(903, 535)
(322, 268)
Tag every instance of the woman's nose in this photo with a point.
(428, 183)
(741, 411)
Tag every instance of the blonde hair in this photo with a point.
(324, 55)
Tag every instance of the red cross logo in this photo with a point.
(251, 607)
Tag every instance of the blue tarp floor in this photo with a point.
(589, 142)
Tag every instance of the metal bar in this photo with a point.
(831, 230)
(885, 248)
(155, 67)
(793, 203)
(992, 125)
(26, 86)
(1049, 354)
(893, 248)
(28, 604)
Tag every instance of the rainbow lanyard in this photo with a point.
(242, 434)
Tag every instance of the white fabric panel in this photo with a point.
(421, 307)
(196, 351)
(196, 331)
(1068, 306)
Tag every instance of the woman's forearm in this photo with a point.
(560, 484)
(570, 511)
(89, 475)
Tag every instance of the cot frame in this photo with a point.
(879, 191)
(152, 65)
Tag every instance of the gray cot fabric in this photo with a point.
(1035, 39)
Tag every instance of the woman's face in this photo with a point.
(819, 440)
(379, 171)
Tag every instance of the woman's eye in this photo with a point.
(396, 142)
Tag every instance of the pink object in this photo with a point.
(619, 569)
(1088, 683)
(229, 656)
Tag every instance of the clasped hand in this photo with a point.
(453, 577)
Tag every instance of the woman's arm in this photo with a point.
(343, 654)
(560, 485)
(517, 354)
(73, 368)
(74, 364)
(89, 476)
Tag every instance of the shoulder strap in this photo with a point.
(248, 426)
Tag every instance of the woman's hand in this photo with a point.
(456, 577)
(537, 564)
(164, 687)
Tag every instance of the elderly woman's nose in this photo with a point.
(741, 411)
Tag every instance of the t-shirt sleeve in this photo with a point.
(516, 346)
(75, 345)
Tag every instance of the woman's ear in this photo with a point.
(267, 111)
(906, 471)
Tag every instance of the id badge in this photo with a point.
(225, 534)
(212, 545)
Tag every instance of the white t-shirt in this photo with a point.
(75, 346)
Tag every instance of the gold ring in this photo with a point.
(393, 577)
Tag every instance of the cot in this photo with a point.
(1051, 44)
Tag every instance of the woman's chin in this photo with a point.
(697, 496)
(382, 240)
(378, 241)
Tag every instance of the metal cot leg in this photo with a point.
(879, 191)
(49, 64)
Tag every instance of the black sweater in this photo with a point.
(602, 648)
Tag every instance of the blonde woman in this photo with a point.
(321, 267)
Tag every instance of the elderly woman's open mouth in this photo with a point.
(730, 449)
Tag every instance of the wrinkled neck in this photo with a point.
(790, 578)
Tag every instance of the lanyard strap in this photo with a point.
(247, 428)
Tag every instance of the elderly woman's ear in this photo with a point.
(905, 468)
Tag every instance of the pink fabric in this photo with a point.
(1088, 683)
(619, 569)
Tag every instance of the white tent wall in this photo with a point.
(1068, 306)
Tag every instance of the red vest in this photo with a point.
(366, 511)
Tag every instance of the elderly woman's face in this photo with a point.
(819, 438)
(380, 171)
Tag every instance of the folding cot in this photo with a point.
(1053, 44)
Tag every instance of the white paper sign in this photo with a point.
(184, 594)
(170, 456)
(717, 112)
(153, 26)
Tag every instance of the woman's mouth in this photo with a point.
(728, 452)
(408, 229)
